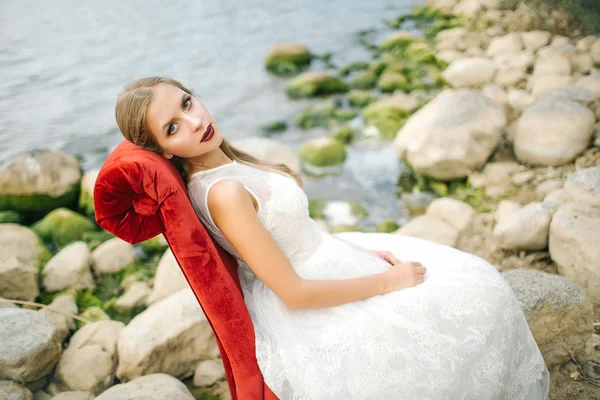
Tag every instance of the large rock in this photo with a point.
(313, 83)
(509, 43)
(591, 83)
(23, 243)
(452, 135)
(269, 150)
(39, 181)
(583, 186)
(10, 390)
(171, 336)
(112, 256)
(430, 227)
(523, 229)
(29, 345)
(63, 226)
(73, 395)
(535, 40)
(470, 72)
(454, 212)
(70, 268)
(57, 312)
(575, 247)
(287, 58)
(208, 373)
(90, 361)
(136, 294)
(555, 64)
(553, 132)
(538, 84)
(149, 387)
(558, 313)
(18, 281)
(168, 278)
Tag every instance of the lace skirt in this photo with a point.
(459, 335)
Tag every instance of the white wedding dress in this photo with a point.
(459, 335)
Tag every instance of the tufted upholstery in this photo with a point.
(138, 195)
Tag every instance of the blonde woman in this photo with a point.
(351, 316)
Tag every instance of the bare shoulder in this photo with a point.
(229, 195)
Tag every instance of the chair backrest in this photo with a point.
(139, 194)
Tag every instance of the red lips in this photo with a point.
(208, 133)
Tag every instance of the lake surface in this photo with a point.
(63, 63)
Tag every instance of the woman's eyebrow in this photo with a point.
(172, 120)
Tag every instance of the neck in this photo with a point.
(214, 159)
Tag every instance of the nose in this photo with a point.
(195, 122)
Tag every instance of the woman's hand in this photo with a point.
(386, 255)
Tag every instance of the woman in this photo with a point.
(339, 317)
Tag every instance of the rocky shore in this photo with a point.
(497, 118)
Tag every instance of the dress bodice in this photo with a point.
(282, 208)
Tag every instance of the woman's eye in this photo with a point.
(187, 104)
(172, 128)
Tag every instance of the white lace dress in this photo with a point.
(459, 335)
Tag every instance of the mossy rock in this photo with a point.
(312, 84)
(287, 58)
(387, 118)
(387, 226)
(275, 126)
(316, 115)
(38, 181)
(316, 208)
(420, 52)
(397, 40)
(345, 114)
(10, 217)
(323, 152)
(354, 66)
(63, 226)
(406, 180)
(93, 314)
(345, 134)
(360, 98)
(358, 210)
(378, 66)
(364, 80)
(390, 81)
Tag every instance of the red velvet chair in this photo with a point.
(138, 195)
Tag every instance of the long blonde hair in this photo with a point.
(130, 112)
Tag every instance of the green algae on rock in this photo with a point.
(275, 126)
(38, 181)
(364, 80)
(397, 40)
(390, 81)
(344, 134)
(312, 84)
(287, 58)
(387, 226)
(63, 226)
(316, 207)
(10, 217)
(360, 98)
(323, 152)
(386, 116)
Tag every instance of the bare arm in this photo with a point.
(233, 212)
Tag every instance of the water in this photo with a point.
(63, 63)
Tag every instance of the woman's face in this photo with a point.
(178, 122)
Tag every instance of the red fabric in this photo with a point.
(138, 195)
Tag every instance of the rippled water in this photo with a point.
(62, 64)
